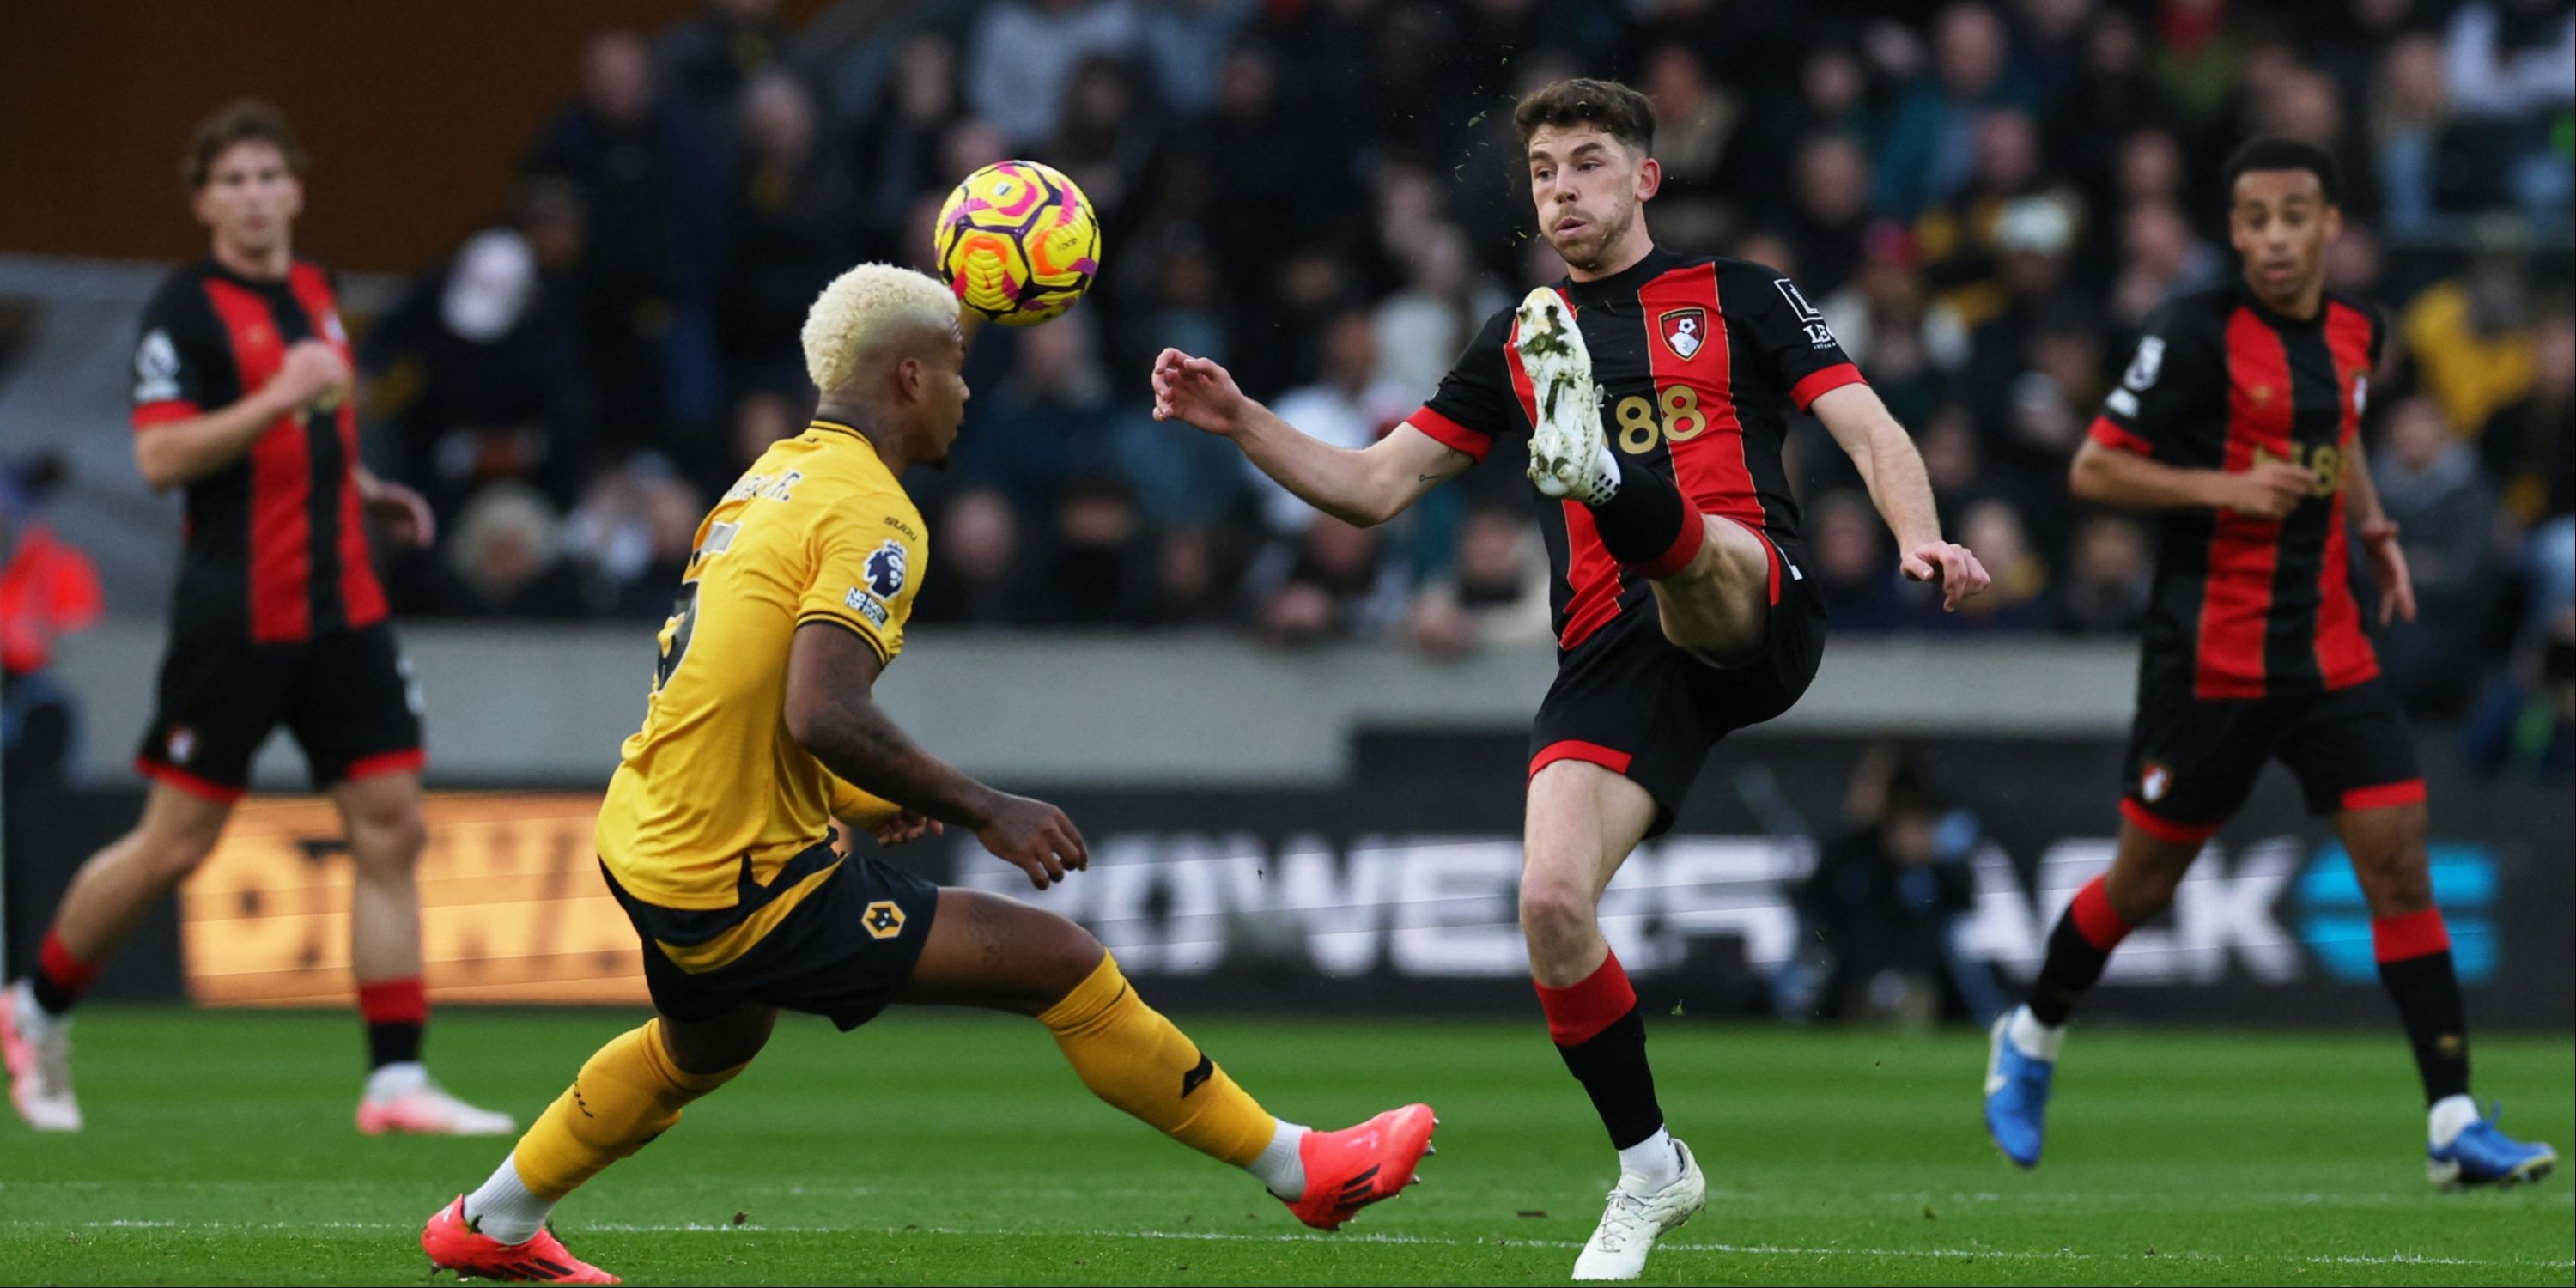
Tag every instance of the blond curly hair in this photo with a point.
(862, 308)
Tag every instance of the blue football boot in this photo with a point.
(2481, 1155)
(2016, 1096)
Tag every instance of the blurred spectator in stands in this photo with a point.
(1048, 422)
(2470, 338)
(2113, 98)
(1199, 570)
(2529, 446)
(2197, 54)
(1101, 568)
(2409, 116)
(1855, 574)
(2018, 600)
(764, 416)
(504, 560)
(974, 577)
(2110, 572)
(2429, 481)
(48, 589)
(1879, 910)
(2159, 259)
(1262, 171)
(708, 59)
(1953, 462)
(1184, 42)
(896, 154)
(652, 180)
(633, 533)
(1104, 141)
(2511, 69)
(1829, 213)
(1931, 144)
(1962, 239)
(1832, 98)
(1347, 406)
(1423, 327)
(474, 372)
(1696, 129)
(2049, 43)
(1497, 595)
(1024, 53)
(792, 223)
(1329, 580)
(2525, 723)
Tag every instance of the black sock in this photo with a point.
(392, 1042)
(1644, 522)
(1612, 1067)
(2427, 993)
(50, 993)
(2072, 966)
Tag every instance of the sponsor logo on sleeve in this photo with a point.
(156, 368)
(2144, 368)
(886, 568)
(866, 605)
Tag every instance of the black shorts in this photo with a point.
(346, 695)
(840, 953)
(1627, 700)
(2193, 761)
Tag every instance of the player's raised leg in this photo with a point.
(109, 897)
(2022, 1050)
(381, 812)
(1710, 576)
(1582, 822)
(626, 1096)
(2389, 858)
(988, 951)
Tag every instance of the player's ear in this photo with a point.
(2333, 222)
(1650, 178)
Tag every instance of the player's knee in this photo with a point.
(388, 839)
(1554, 909)
(2395, 887)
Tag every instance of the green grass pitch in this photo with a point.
(941, 1148)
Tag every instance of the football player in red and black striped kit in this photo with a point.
(241, 396)
(2239, 422)
(1656, 389)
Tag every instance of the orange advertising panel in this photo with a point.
(513, 908)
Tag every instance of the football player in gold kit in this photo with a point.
(715, 834)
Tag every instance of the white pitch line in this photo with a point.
(1414, 1240)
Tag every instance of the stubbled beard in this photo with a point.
(1594, 247)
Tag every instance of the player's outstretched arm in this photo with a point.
(2131, 480)
(183, 451)
(1893, 471)
(832, 712)
(1365, 487)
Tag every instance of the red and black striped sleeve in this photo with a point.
(1474, 404)
(1789, 330)
(2170, 380)
(181, 360)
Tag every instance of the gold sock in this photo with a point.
(1132, 1057)
(626, 1094)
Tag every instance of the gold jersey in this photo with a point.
(712, 788)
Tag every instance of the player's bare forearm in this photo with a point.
(2366, 512)
(184, 451)
(832, 712)
(1365, 487)
(1884, 454)
(2124, 479)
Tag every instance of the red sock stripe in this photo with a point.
(2095, 919)
(1578, 1012)
(1677, 556)
(2410, 792)
(68, 973)
(2417, 934)
(394, 1001)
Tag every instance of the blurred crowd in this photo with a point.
(1986, 197)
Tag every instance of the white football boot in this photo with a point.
(1636, 1218)
(403, 1099)
(37, 1048)
(1569, 454)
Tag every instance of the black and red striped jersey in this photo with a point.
(1700, 361)
(276, 545)
(2246, 607)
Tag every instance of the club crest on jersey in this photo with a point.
(883, 919)
(2154, 782)
(1685, 331)
(886, 568)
